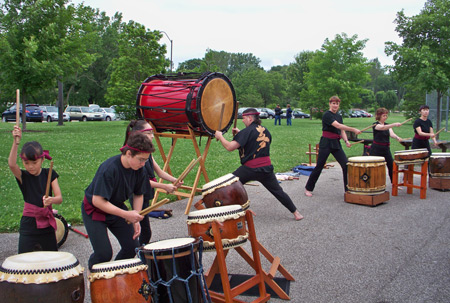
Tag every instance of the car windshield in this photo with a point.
(33, 107)
(51, 109)
(86, 110)
(109, 110)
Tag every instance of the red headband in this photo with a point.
(249, 114)
(145, 130)
(45, 154)
(135, 149)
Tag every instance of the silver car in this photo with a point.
(109, 114)
(50, 113)
(83, 113)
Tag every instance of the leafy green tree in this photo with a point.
(41, 42)
(140, 56)
(192, 66)
(295, 75)
(390, 100)
(423, 59)
(339, 68)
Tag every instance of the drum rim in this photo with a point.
(117, 265)
(209, 184)
(222, 210)
(358, 159)
(187, 243)
(66, 229)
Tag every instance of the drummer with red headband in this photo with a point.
(333, 130)
(253, 143)
(37, 225)
(103, 206)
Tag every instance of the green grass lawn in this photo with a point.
(78, 148)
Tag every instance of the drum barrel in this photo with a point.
(365, 177)
(439, 165)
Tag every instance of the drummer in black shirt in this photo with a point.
(103, 206)
(333, 130)
(382, 131)
(253, 143)
(423, 130)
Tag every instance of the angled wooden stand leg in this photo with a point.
(191, 190)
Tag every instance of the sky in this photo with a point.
(273, 31)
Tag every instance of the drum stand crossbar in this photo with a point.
(261, 277)
(408, 177)
(191, 190)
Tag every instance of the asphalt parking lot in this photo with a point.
(398, 251)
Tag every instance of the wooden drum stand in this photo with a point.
(261, 277)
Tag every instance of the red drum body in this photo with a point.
(172, 103)
(366, 175)
(175, 271)
(411, 155)
(44, 276)
(440, 165)
(118, 281)
(226, 190)
(232, 226)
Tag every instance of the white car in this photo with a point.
(109, 114)
(50, 113)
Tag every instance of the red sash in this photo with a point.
(97, 214)
(330, 135)
(258, 162)
(44, 215)
(416, 136)
(383, 144)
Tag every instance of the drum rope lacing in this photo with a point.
(117, 267)
(208, 216)
(39, 271)
(194, 272)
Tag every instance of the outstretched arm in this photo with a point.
(229, 145)
(12, 160)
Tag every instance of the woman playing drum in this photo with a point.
(150, 168)
(253, 143)
(423, 129)
(381, 133)
(333, 130)
(103, 206)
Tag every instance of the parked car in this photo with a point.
(109, 114)
(83, 113)
(299, 114)
(240, 111)
(262, 113)
(32, 111)
(50, 113)
(366, 114)
(270, 112)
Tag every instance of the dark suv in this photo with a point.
(33, 113)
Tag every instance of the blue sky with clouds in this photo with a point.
(273, 31)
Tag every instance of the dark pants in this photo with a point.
(322, 160)
(269, 181)
(277, 118)
(383, 151)
(98, 235)
(417, 143)
(30, 243)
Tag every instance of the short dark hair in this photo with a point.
(31, 150)
(424, 107)
(334, 98)
(254, 113)
(138, 143)
(381, 111)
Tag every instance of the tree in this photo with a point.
(339, 68)
(40, 42)
(295, 74)
(140, 56)
(423, 59)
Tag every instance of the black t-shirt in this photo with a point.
(380, 136)
(33, 189)
(254, 141)
(116, 183)
(424, 125)
(328, 118)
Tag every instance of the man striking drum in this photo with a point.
(253, 143)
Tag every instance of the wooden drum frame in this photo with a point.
(175, 103)
(366, 175)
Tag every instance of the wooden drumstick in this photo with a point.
(366, 128)
(149, 209)
(49, 180)
(221, 116)
(187, 170)
(17, 112)
(235, 118)
(439, 131)
(405, 139)
(406, 121)
(353, 143)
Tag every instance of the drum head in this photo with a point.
(219, 181)
(366, 159)
(217, 94)
(62, 229)
(168, 244)
(440, 155)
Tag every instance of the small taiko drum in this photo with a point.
(439, 165)
(411, 155)
(42, 276)
(231, 219)
(366, 175)
(118, 281)
(62, 229)
(226, 190)
(175, 271)
(196, 101)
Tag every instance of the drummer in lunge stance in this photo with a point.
(381, 133)
(423, 130)
(253, 143)
(103, 206)
(333, 130)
